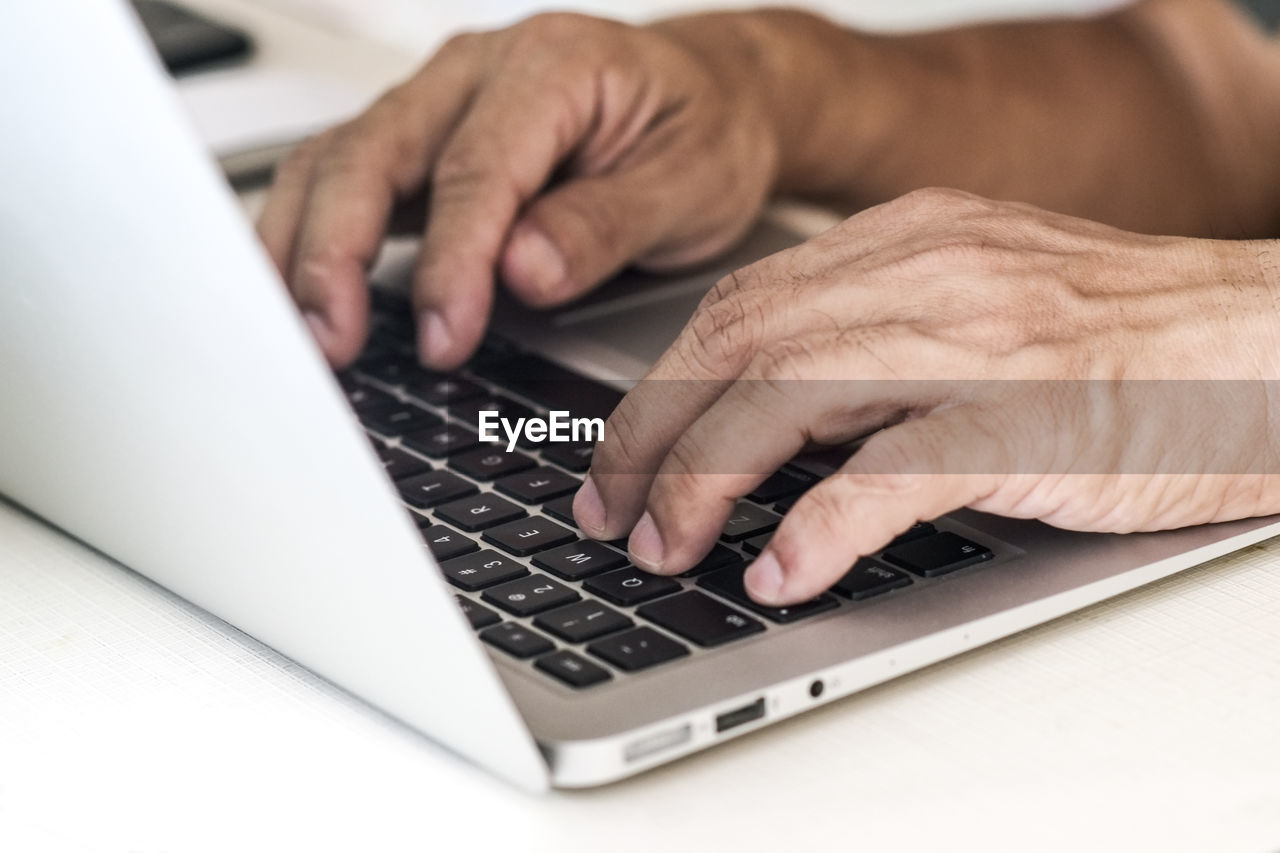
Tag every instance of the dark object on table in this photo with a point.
(187, 41)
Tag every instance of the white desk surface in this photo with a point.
(129, 721)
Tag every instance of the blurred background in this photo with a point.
(257, 76)
(413, 23)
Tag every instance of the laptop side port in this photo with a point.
(740, 716)
(659, 742)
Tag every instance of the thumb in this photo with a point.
(584, 231)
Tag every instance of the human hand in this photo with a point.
(1023, 363)
(551, 154)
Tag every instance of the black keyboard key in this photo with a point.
(365, 397)
(489, 463)
(561, 509)
(748, 520)
(440, 390)
(868, 578)
(479, 512)
(517, 640)
(938, 554)
(528, 536)
(631, 586)
(442, 441)
(818, 465)
(399, 464)
(717, 558)
(579, 560)
(756, 544)
(468, 410)
(784, 506)
(393, 325)
(477, 614)
(434, 488)
(728, 582)
(780, 485)
(539, 485)
(376, 352)
(639, 648)
(919, 530)
(445, 544)
(398, 419)
(481, 569)
(530, 595)
(582, 621)
(575, 457)
(700, 618)
(572, 669)
(385, 365)
(552, 386)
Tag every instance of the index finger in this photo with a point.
(368, 164)
(515, 134)
(717, 344)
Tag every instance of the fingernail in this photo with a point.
(588, 508)
(763, 578)
(538, 261)
(434, 338)
(645, 543)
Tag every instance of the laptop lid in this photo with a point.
(160, 399)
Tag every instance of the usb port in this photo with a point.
(738, 716)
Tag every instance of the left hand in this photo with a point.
(928, 316)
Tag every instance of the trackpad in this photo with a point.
(640, 315)
(618, 331)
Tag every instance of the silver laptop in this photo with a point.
(161, 401)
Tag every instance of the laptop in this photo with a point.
(163, 403)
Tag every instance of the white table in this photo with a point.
(129, 721)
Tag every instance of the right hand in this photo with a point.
(550, 154)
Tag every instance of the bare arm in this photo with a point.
(1164, 117)
(555, 152)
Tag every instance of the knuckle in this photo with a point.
(303, 157)
(786, 360)
(351, 139)
(551, 34)
(549, 27)
(884, 351)
(460, 43)
(728, 286)
(726, 330)
(463, 169)
(346, 149)
(606, 226)
(939, 200)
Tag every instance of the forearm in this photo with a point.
(1162, 118)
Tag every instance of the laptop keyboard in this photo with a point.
(500, 524)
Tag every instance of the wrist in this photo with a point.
(1266, 259)
(1249, 273)
(797, 73)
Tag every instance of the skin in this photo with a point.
(1021, 376)
(551, 155)
(547, 156)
